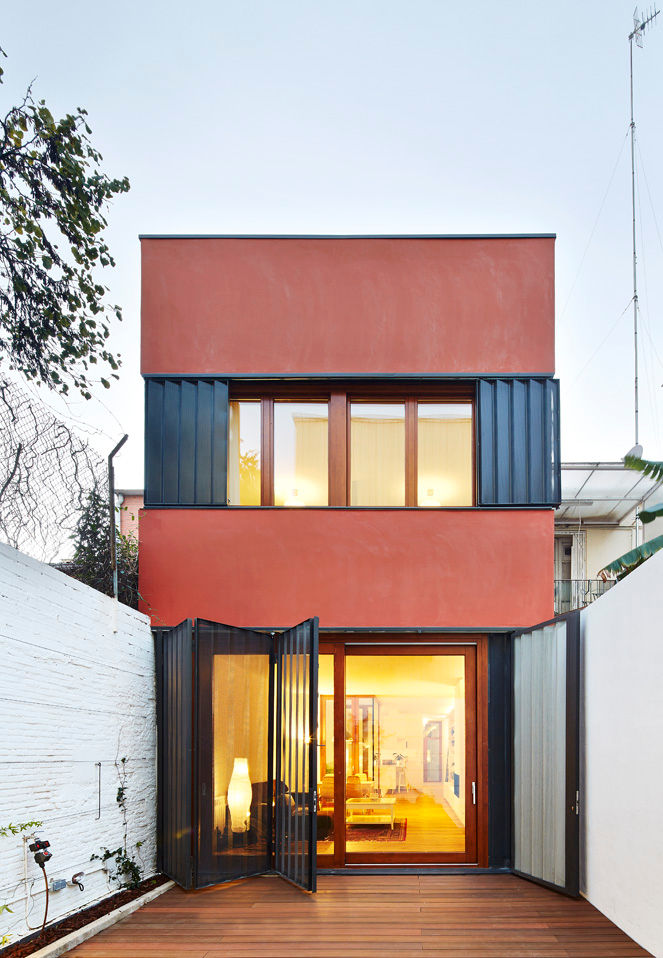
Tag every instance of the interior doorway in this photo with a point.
(399, 742)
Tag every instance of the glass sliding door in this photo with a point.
(408, 789)
(398, 754)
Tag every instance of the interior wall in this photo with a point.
(622, 756)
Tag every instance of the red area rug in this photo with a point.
(377, 833)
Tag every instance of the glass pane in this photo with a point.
(325, 754)
(244, 454)
(377, 454)
(444, 445)
(301, 444)
(405, 754)
(235, 806)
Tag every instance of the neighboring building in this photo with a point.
(364, 430)
(130, 502)
(595, 524)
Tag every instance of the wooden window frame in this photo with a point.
(339, 397)
(343, 646)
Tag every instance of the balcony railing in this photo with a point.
(577, 593)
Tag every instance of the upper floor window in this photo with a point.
(301, 449)
(444, 454)
(377, 454)
(350, 450)
(244, 428)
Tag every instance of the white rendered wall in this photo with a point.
(606, 545)
(622, 766)
(74, 693)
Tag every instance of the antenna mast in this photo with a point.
(636, 34)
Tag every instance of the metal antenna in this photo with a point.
(636, 34)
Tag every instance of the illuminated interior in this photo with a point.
(244, 454)
(444, 451)
(377, 454)
(301, 449)
(240, 686)
(405, 779)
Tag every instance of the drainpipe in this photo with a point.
(111, 505)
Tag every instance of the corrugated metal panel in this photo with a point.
(186, 442)
(175, 678)
(518, 442)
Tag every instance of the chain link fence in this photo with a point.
(47, 475)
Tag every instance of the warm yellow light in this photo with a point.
(295, 499)
(429, 500)
(239, 796)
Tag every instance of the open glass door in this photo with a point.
(296, 730)
(233, 776)
(230, 701)
(545, 753)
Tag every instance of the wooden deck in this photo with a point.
(483, 916)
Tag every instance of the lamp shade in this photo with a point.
(240, 795)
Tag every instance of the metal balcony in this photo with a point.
(577, 593)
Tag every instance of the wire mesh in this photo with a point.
(47, 473)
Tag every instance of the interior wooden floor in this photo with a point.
(482, 916)
(429, 829)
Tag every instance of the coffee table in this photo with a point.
(370, 811)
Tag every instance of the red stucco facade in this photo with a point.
(364, 306)
(353, 568)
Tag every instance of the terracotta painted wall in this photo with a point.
(353, 568)
(303, 305)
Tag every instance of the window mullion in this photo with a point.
(267, 452)
(338, 449)
(410, 452)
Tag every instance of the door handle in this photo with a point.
(474, 793)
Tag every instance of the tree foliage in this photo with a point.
(635, 557)
(92, 562)
(54, 319)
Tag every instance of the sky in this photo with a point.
(375, 117)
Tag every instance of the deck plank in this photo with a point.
(411, 916)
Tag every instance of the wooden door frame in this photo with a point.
(341, 645)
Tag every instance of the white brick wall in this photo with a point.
(73, 692)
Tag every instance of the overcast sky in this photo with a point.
(377, 117)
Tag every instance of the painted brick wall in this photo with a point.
(74, 692)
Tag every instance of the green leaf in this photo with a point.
(649, 467)
(47, 261)
(648, 515)
(631, 560)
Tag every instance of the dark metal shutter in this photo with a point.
(518, 442)
(186, 442)
(175, 750)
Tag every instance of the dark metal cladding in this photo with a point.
(186, 441)
(518, 436)
(499, 750)
(175, 745)
(296, 752)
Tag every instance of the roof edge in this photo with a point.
(347, 236)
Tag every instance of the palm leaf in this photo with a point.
(648, 515)
(631, 560)
(649, 467)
